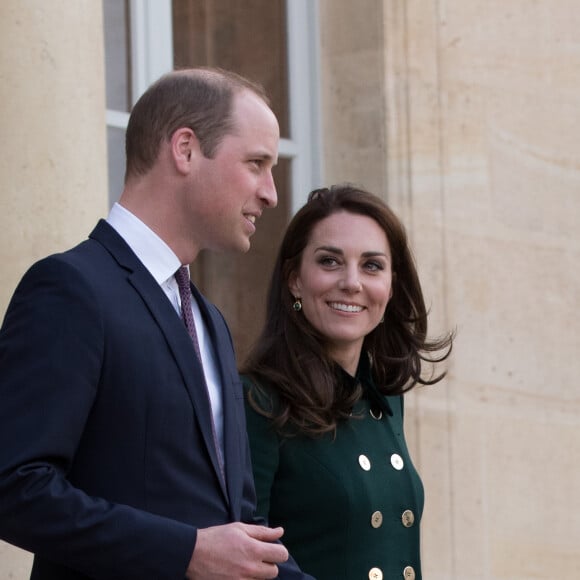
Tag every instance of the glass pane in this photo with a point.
(116, 160)
(117, 54)
(246, 36)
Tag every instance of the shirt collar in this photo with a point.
(152, 251)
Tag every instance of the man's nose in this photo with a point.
(267, 192)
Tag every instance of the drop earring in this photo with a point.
(297, 304)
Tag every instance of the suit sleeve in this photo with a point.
(51, 349)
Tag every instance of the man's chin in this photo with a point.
(241, 247)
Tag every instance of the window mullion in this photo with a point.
(303, 71)
(151, 43)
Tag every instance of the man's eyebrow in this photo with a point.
(261, 153)
(264, 156)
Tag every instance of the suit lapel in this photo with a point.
(174, 331)
(234, 432)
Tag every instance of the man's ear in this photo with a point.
(184, 149)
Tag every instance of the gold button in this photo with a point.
(397, 461)
(376, 574)
(409, 573)
(377, 519)
(364, 462)
(408, 518)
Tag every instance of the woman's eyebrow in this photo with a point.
(334, 250)
(331, 249)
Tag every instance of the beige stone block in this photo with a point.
(470, 526)
(500, 486)
(53, 177)
(516, 310)
(53, 173)
(352, 93)
(428, 427)
(533, 492)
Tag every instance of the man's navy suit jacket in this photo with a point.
(107, 462)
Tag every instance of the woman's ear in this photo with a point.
(294, 284)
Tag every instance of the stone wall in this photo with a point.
(53, 179)
(482, 125)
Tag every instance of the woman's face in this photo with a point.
(344, 281)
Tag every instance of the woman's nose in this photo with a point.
(350, 282)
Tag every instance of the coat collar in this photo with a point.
(364, 376)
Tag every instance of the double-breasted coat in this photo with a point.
(350, 504)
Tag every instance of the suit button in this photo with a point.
(377, 519)
(409, 573)
(364, 462)
(375, 574)
(408, 518)
(397, 461)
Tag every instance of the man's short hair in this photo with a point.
(200, 99)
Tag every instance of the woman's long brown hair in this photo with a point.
(290, 359)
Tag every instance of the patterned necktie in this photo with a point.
(184, 285)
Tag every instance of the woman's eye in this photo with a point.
(374, 266)
(327, 261)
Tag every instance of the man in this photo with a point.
(123, 451)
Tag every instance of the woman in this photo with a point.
(345, 337)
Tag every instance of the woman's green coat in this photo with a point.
(350, 504)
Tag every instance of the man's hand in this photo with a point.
(236, 552)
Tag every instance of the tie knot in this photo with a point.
(182, 278)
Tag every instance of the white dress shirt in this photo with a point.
(162, 263)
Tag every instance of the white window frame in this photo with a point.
(305, 145)
(152, 56)
(151, 50)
